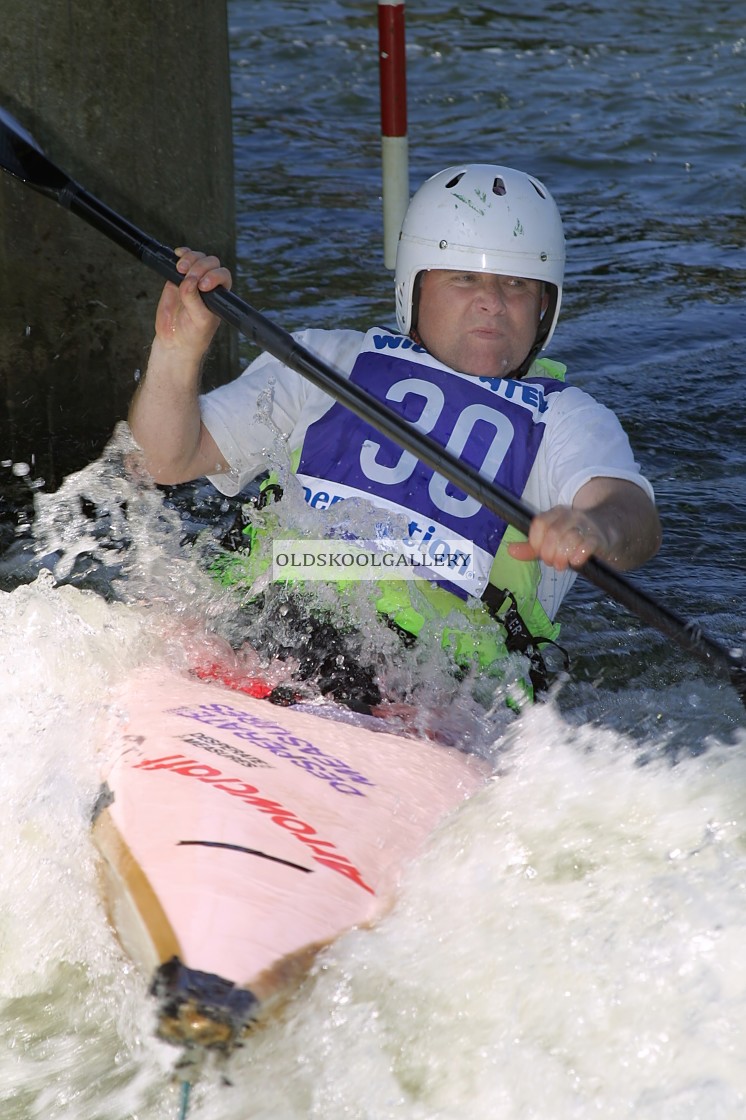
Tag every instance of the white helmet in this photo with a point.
(479, 217)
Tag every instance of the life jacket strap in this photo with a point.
(503, 607)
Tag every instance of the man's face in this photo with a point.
(479, 323)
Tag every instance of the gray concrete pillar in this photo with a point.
(133, 101)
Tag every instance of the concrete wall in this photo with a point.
(132, 100)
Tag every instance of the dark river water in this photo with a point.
(572, 945)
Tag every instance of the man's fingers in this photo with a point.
(202, 271)
(560, 539)
(521, 550)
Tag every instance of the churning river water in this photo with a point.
(571, 945)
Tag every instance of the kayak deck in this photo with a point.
(239, 838)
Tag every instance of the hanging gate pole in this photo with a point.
(394, 144)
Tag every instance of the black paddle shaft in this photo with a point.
(21, 157)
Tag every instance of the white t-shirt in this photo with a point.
(269, 402)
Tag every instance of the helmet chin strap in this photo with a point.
(528, 361)
(541, 333)
(414, 334)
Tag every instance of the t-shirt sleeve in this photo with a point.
(584, 440)
(263, 412)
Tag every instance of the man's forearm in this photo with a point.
(626, 518)
(164, 417)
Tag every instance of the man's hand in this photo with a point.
(183, 321)
(611, 518)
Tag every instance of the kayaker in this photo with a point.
(478, 287)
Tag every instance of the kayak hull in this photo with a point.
(238, 838)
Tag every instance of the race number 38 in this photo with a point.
(465, 423)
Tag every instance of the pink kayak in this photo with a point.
(239, 838)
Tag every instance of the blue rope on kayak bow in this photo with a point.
(186, 1088)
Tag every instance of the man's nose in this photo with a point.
(492, 295)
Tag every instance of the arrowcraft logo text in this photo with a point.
(385, 558)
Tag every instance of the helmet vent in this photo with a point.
(537, 188)
(498, 187)
(454, 181)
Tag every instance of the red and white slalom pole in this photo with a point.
(394, 145)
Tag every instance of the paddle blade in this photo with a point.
(22, 157)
